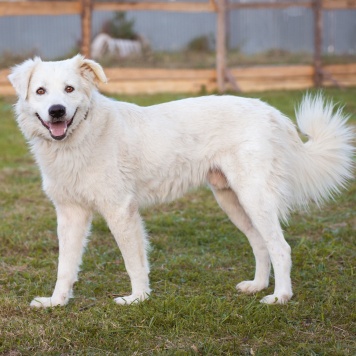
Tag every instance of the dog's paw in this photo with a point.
(43, 302)
(132, 299)
(250, 287)
(281, 298)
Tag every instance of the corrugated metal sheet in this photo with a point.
(251, 31)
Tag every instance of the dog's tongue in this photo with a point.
(58, 128)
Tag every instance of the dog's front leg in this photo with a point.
(73, 227)
(127, 227)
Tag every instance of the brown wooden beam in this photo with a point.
(339, 4)
(253, 78)
(86, 21)
(268, 5)
(318, 30)
(326, 4)
(155, 6)
(23, 8)
(221, 45)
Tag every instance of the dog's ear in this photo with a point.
(91, 70)
(21, 75)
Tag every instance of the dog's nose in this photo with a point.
(57, 111)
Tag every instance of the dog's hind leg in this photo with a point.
(266, 221)
(261, 208)
(127, 227)
(258, 202)
(230, 204)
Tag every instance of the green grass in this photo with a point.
(196, 260)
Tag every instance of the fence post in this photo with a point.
(86, 19)
(221, 45)
(318, 40)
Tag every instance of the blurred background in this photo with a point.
(183, 35)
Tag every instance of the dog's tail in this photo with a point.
(326, 162)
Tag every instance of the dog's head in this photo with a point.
(54, 97)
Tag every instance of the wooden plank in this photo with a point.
(154, 74)
(273, 71)
(343, 82)
(7, 90)
(136, 80)
(157, 86)
(274, 77)
(155, 6)
(341, 78)
(23, 8)
(335, 69)
(327, 4)
(3, 76)
(213, 4)
(268, 5)
(339, 4)
(260, 85)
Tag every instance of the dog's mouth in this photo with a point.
(57, 129)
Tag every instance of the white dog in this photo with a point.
(97, 154)
(121, 47)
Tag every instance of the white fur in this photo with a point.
(121, 47)
(117, 157)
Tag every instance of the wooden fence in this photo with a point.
(123, 80)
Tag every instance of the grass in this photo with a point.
(196, 260)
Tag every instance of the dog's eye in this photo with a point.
(69, 89)
(40, 91)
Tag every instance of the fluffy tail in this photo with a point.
(326, 163)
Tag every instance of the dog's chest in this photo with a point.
(71, 176)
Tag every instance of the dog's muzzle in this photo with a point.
(58, 124)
